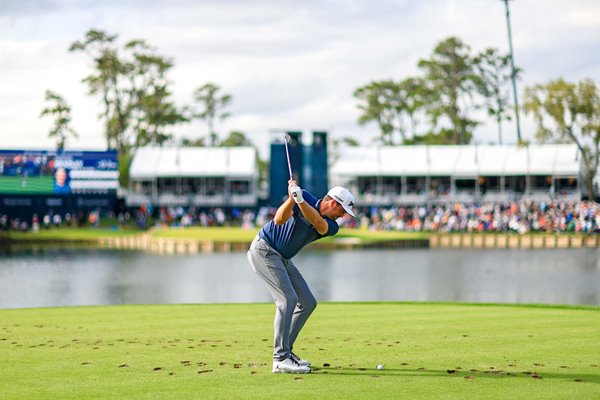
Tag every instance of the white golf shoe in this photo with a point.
(289, 366)
(300, 361)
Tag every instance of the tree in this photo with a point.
(442, 136)
(567, 112)
(493, 75)
(213, 106)
(236, 139)
(382, 102)
(61, 112)
(152, 110)
(187, 142)
(132, 82)
(337, 145)
(451, 82)
(105, 82)
(156, 113)
(415, 94)
(393, 106)
(239, 139)
(346, 141)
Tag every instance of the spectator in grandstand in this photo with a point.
(57, 220)
(35, 223)
(46, 221)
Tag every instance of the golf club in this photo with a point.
(287, 153)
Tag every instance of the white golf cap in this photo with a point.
(344, 197)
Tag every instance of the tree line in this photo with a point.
(131, 82)
(435, 107)
(452, 84)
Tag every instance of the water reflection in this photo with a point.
(59, 277)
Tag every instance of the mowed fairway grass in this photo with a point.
(430, 351)
(218, 234)
(237, 234)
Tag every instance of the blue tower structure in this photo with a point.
(319, 169)
(309, 166)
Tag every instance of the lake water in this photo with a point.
(67, 277)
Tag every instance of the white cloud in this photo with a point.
(287, 64)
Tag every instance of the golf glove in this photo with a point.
(296, 192)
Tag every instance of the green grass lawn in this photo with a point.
(368, 236)
(236, 234)
(219, 234)
(70, 234)
(430, 351)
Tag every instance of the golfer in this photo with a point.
(300, 220)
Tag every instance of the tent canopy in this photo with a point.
(458, 161)
(157, 162)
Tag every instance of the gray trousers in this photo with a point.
(293, 298)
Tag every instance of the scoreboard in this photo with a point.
(58, 172)
(43, 181)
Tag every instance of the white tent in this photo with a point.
(359, 161)
(566, 160)
(458, 161)
(414, 160)
(156, 162)
(443, 160)
(517, 162)
(491, 160)
(144, 163)
(466, 164)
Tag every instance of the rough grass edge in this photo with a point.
(416, 303)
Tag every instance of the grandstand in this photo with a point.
(378, 175)
(404, 175)
(193, 176)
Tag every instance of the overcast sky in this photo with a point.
(287, 64)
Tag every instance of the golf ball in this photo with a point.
(380, 366)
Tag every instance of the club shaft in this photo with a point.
(287, 154)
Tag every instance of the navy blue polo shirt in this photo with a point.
(289, 238)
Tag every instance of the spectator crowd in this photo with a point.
(583, 216)
(522, 217)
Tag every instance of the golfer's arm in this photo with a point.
(284, 212)
(313, 216)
